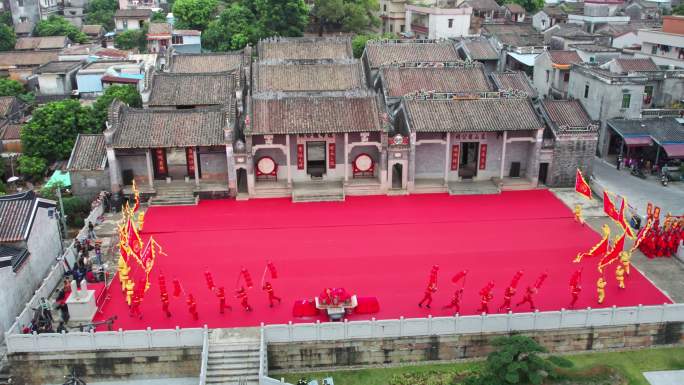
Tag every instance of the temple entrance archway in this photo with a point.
(397, 176)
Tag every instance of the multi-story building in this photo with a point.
(393, 16)
(33, 11)
(552, 73)
(664, 46)
(438, 23)
(600, 12)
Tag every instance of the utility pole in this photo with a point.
(62, 216)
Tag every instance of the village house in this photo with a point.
(479, 49)
(33, 11)
(19, 65)
(623, 88)
(514, 12)
(41, 43)
(484, 11)
(393, 16)
(10, 141)
(87, 166)
(437, 22)
(208, 62)
(561, 36)
(95, 32)
(92, 78)
(74, 11)
(57, 78)
(162, 36)
(139, 4)
(91, 53)
(12, 112)
(643, 10)
(552, 73)
(662, 138)
(622, 36)
(666, 45)
(131, 19)
(596, 53)
(30, 242)
(599, 12)
(518, 45)
(572, 136)
(379, 53)
(552, 15)
(24, 29)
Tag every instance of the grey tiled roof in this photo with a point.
(26, 58)
(302, 115)
(6, 104)
(515, 35)
(88, 153)
(483, 5)
(308, 77)
(305, 48)
(159, 29)
(133, 13)
(150, 128)
(16, 215)
(400, 81)
(92, 29)
(384, 53)
(569, 113)
(634, 65)
(58, 67)
(662, 130)
(206, 62)
(25, 27)
(506, 114)
(513, 80)
(12, 132)
(45, 42)
(480, 49)
(184, 89)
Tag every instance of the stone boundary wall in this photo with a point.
(90, 366)
(314, 355)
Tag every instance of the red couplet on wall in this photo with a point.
(190, 161)
(331, 155)
(160, 160)
(483, 156)
(300, 157)
(455, 156)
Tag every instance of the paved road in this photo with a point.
(640, 191)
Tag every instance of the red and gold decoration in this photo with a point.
(455, 154)
(331, 155)
(160, 161)
(483, 156)
(266, 167)
(363, 165)
(599, 249)
(614, 253)
(190, 160)
(581, 185)
(300, 157)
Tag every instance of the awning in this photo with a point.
(675, 150)
(526, 59)
(638, 140)
(62, 178)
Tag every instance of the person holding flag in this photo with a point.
(581, 185)
(510, 291)
(455, 301)
(613, 254)
(601, 289)
(486, 297)
(620, 276)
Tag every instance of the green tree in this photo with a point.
(126, 93)
(133, 38)
(59, 26)
(359, 42)
(9, 87)
(514, 362)
(194, 14)
(52, 131)
(235, 27)
(280, 17)
(32, 166)
(158, 17)
(6, 18)
(7, 38)
(355, 16)
(529, 5)
(101, 12)
(678, 10)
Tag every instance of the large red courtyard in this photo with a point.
(372, 246)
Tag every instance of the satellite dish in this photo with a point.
(12, 179)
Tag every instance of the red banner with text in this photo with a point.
(483, 156)
(300, 157)
(455, 156)
(331, 155)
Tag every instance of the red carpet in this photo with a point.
(375, 246)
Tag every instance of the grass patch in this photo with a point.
(592, 368)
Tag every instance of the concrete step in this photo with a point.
(272, 192)
(233, 366)
(238, 345)
(233, 374)
(233, 381)
(163, 201)
(218, 358)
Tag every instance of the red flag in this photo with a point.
(458, 276)
(623, 219)
(272, 270)
(516, 278)
(134, 240)
(247, 277)
(599, 249)
(609, 207)
(576, 277)
(613, 255)
(643, 233)
(581, 185)
(540, 280)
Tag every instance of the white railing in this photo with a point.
(106, 340)
(264, 379)
(493, 323)
(205, 357)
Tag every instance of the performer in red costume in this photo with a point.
(455, 301)
(486, 296)
(427, 297)
(241, 294)
(135, 305)
(221, 294)
(527, 298)
(575, 291)
(268, 288)
(508, 296)
(176, 288)
(165, 304)
(192, 307)
(209, 279)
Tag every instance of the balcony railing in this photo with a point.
(420, 28)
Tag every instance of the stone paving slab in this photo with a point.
(665, 377)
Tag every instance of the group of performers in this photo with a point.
(662, 240)
(486, 294)
(241, 292)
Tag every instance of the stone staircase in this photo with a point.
(470, 187)
(271, 190)
(233, 358)
(363, 187)
(174, 194)
(318, 191)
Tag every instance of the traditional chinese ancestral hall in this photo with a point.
(303, 119)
